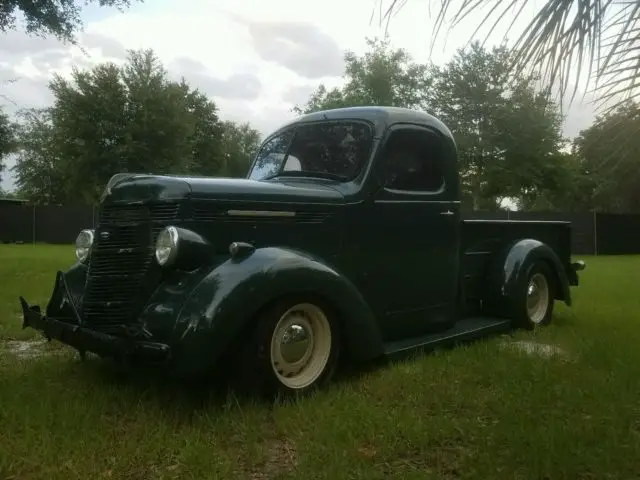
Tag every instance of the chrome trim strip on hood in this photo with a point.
(260, 213)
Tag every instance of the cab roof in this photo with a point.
(381, 116)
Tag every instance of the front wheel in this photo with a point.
(293, 350)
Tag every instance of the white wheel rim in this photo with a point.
(537, 297)
(300, 346)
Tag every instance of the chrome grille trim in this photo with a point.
(121, 272)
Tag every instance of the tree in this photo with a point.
(602, 32)
(41, 175)
(114, 119)
(567, 189)
(382, 76)
(206, 137)
(508, 134)
(611, 175)
(7, 138)
(60, 18)
(240, 143)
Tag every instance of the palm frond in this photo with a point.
(565, 40)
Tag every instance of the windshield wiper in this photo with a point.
(293, 173)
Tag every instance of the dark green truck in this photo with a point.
(345, 240)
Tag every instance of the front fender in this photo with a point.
(511, 267)
(231, 295)
(75, 278)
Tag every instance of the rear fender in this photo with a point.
(511, 267)
(234, 292)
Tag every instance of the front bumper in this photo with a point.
(63, 323)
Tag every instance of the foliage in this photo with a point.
(41, 177)
(382, 76)
(112, 119)
(602, 170)
(134, 118)
(240, 143)
(564, 191)
(60, 18)
(7, 138)
(204, 138)
(610, 167)
(508, 134)
(561, 38)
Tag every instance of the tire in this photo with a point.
(292, 351)
(535, 297)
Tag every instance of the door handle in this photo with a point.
(448, 213)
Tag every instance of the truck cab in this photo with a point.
(344, 240)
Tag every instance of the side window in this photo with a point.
(414, 161)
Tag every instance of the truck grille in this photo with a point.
(121, 274)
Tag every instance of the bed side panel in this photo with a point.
(483, 240)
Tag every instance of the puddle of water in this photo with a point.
(533, 348)
(27, 348)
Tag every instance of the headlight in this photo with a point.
(84, 242)
(167, 246)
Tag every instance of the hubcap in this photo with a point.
(537, 297)
(300, 345)
(295, 343)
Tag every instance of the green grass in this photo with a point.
(479, 411)
(27, 270)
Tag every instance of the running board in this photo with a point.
(466, 329)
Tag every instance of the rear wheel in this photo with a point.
(535, 297)
(293, 350)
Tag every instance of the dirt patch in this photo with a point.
(281, 457)
(534, 348)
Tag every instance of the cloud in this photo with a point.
(256, 59)
(19, 91)
(241, 86)
(301, 47)
(18, 44)
(238, 86)
(261, 115)
(47, 53)
(7, 182)
(299, 94)
(108, 47)
(29, 63)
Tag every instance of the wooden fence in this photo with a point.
(592, 233)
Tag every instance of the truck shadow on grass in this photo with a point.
(216, 390)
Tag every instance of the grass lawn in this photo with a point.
(481, 411)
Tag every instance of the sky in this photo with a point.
(255, 59)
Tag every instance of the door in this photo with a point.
(417, 244)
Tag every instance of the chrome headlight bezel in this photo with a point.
(167, 245)
(84, 243)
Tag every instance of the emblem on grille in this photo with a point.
(105, 235)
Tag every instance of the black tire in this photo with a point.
(542, 282)
(257, 374)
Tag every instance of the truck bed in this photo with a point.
(482, 240)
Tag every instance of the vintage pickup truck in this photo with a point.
(345, 241)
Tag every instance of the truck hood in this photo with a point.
(137, 188)
(313, 228)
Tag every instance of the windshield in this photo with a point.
(325, 149)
